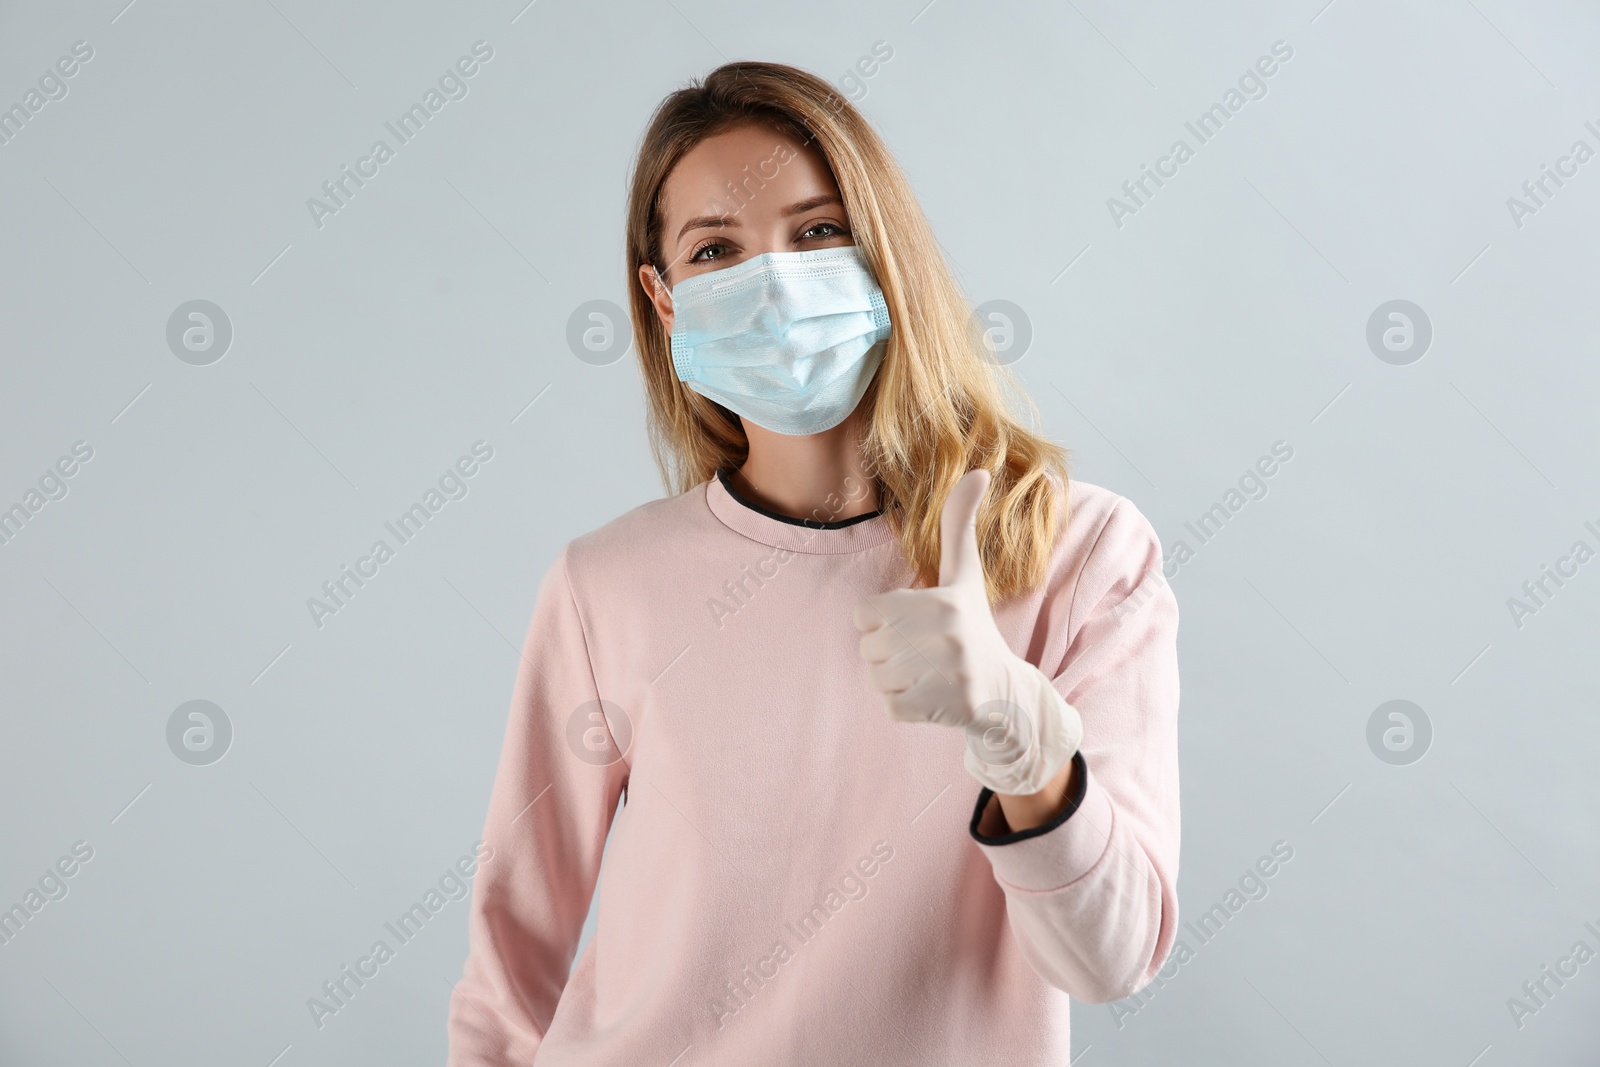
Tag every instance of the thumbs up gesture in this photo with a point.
(937, 657)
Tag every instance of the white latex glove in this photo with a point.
(937, 656)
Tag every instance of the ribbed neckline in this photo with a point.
(849, 535)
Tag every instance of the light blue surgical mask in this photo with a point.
(789, 340)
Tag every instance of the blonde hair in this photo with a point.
(937, 408)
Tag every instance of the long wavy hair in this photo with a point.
(938, 401)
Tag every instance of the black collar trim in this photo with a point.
(814, 524)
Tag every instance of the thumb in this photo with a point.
(959, 561)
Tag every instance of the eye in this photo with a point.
(814, 235)
(695, 256)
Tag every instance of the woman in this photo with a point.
(890, 704)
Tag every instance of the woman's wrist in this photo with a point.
(1035, 809)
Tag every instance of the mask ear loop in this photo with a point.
(661, 283)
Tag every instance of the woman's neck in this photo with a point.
(818, 476)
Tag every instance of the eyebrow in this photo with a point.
(798, 208)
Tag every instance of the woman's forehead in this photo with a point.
(722, 175)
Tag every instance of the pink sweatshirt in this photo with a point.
(795, 878)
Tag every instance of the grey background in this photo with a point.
(1227, 314)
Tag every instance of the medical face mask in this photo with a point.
(789, 340)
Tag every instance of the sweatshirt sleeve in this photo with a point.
(559, 779)
(1092, 897)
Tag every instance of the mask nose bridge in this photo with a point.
(766, 279)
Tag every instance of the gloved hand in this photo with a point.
(937, 656)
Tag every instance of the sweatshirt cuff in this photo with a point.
(1048, 857)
